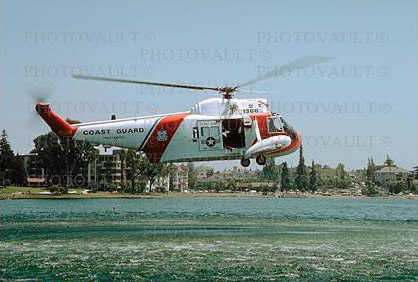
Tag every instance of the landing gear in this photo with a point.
(245, 162)
(261, 160)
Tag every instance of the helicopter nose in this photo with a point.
(297, 140)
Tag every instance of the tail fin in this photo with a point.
(58, 125)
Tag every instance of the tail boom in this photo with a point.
(58, 125)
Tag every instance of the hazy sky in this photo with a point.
(361, 104)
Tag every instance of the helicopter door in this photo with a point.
(209, 135)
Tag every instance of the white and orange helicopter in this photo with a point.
(214, 129)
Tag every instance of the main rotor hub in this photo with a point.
(227, 92)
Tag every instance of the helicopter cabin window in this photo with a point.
(233, 135)
(195, 133)
(205, 131)
(214, 131)
(274, 125)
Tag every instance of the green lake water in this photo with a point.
(209, 238)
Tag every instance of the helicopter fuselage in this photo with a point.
(214, 129)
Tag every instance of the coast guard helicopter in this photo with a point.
(222, 128)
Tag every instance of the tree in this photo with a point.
(341, 180)
(123, 156)
(370, 170)
(77, 155)
(369, 190)
(396, 187)
(285, 179)
(132, 161)
(149, 170)
(17, 171)
(270, 170)
(191, 172)
(415, 171)
(171, 170)
(7, 156)
(232, 185)
(409, 182)
(312, 178)
(140, 167)
(6, 152)
(301, 179)
(62, 157)
(11, 166)
(210, 171)
(341, 173)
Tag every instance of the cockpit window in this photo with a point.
(287, 128)
(283, 122)
(274, 125)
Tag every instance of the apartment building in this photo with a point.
(109, 170)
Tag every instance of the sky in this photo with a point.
(361, 104)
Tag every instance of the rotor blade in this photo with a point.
(258, 91)
(39, 94)
(144, 82)
(300, 63)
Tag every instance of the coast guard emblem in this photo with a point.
(162, 136)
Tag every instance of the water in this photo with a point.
(209, 238)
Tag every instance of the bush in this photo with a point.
(160, 189)
(59, 190)
(414, 188)
(342, 183)
(110, 187)
(395, 187)
(369, 190)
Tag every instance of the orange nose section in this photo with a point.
(298, 140)
(294, 145)
(58, 125)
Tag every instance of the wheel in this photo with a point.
(245, 162)
(261, 160)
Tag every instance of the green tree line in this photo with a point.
(11, 166)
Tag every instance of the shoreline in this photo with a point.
(155, 195)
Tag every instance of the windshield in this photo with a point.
(274, 124)
(285, 124)
(287, 128)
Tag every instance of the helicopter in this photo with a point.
(221, 128)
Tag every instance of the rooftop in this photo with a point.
(392, 169)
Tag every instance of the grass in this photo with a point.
(16, 192)
(26, 190)
(13, 192)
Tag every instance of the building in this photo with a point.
(108, 168)
(32, 166)
(161, 184)
(203, 172)
(179, 178)
(35, 175)
(390, 174)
